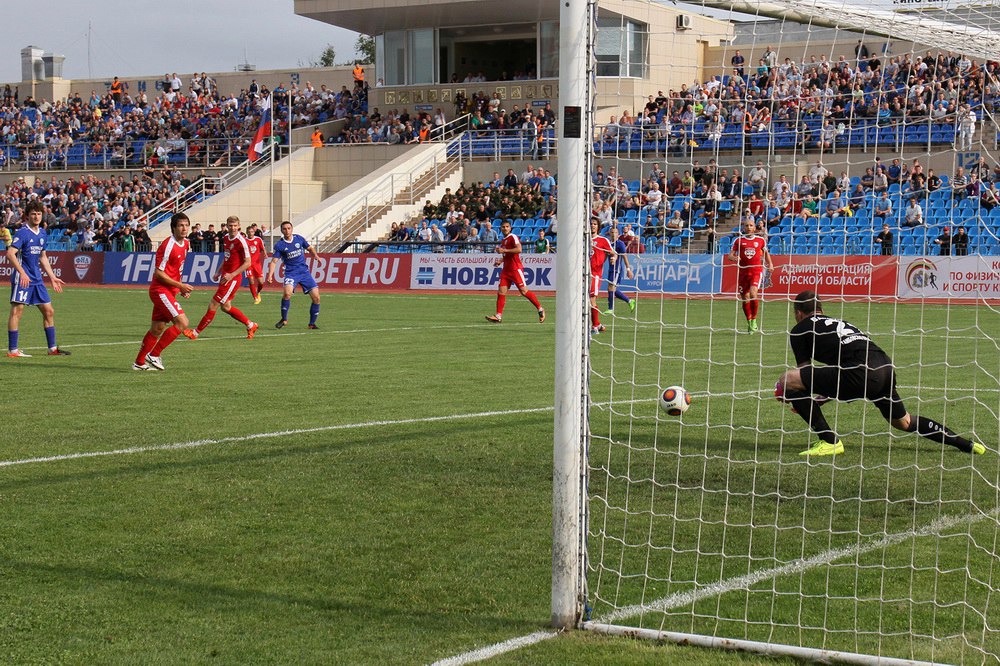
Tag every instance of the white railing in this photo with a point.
(203, 188)
(505, 144)
(246, 168)
(196, 192)
(380, 195)
(206, 187)
(123, 154)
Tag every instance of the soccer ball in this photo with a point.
(674, 400)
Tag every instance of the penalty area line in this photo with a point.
(491, 651)
(267, 435)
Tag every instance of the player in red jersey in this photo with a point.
(512, 273)
(168, 316)
(600, 250)
(230, 275)
(255, 274)
(750, 254)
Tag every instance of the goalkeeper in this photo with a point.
(854, 368)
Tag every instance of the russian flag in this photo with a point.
(263, 132)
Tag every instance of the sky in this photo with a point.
(129, 38)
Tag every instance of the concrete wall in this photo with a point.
(340, 166)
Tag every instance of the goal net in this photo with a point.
(713, 527)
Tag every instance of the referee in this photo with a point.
(854, 368)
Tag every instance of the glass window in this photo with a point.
(421, 52)
(380, 58)
(548, 33)
(636, 49)
(608, 47)
(621, 48)
(395, 58)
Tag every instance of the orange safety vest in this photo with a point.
(359, 73)
(116, 87)
(317, 139)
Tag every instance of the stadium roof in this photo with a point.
(962, 29)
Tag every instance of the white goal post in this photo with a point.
(712, 528)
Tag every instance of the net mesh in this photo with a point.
(713, 522)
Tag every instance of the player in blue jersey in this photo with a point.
(291, 250)
(617, 272)
(29, 264)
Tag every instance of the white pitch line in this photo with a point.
(266, 435)
(745, 582)
(491, 651)
(137, 342)
(351, 331)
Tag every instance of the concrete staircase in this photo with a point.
(374, 222)
(392, 194)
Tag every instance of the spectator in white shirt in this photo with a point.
(914, 215)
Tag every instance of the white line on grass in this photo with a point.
(745, 582)
(398, 329)
(682, 599)
(491, 651)
(266, 435)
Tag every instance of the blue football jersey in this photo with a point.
(618, 269)
(30, 246)
(292, 253)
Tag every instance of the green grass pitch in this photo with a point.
(380, 490)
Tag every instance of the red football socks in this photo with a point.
(148, 342)
(205, 321)
(168, 336)
(239, 316)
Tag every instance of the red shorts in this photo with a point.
(165, 305)
(516, 278)
(595, 285)
(749, 279)
(254, 271)
(227, 290)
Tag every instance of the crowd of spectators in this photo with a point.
(708, 196)
(91, 213)
(97, 213)
(471, 213)
(194, 120)
(209, 239)
(945, 88)
(395, 127)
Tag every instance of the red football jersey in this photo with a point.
(600, 248)
(257, 250)
(236, 252)
(511, 262)
(170, 259)
(750, 252)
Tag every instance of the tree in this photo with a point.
(365, 49)
(327, 57)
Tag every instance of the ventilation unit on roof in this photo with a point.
(683, 22)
